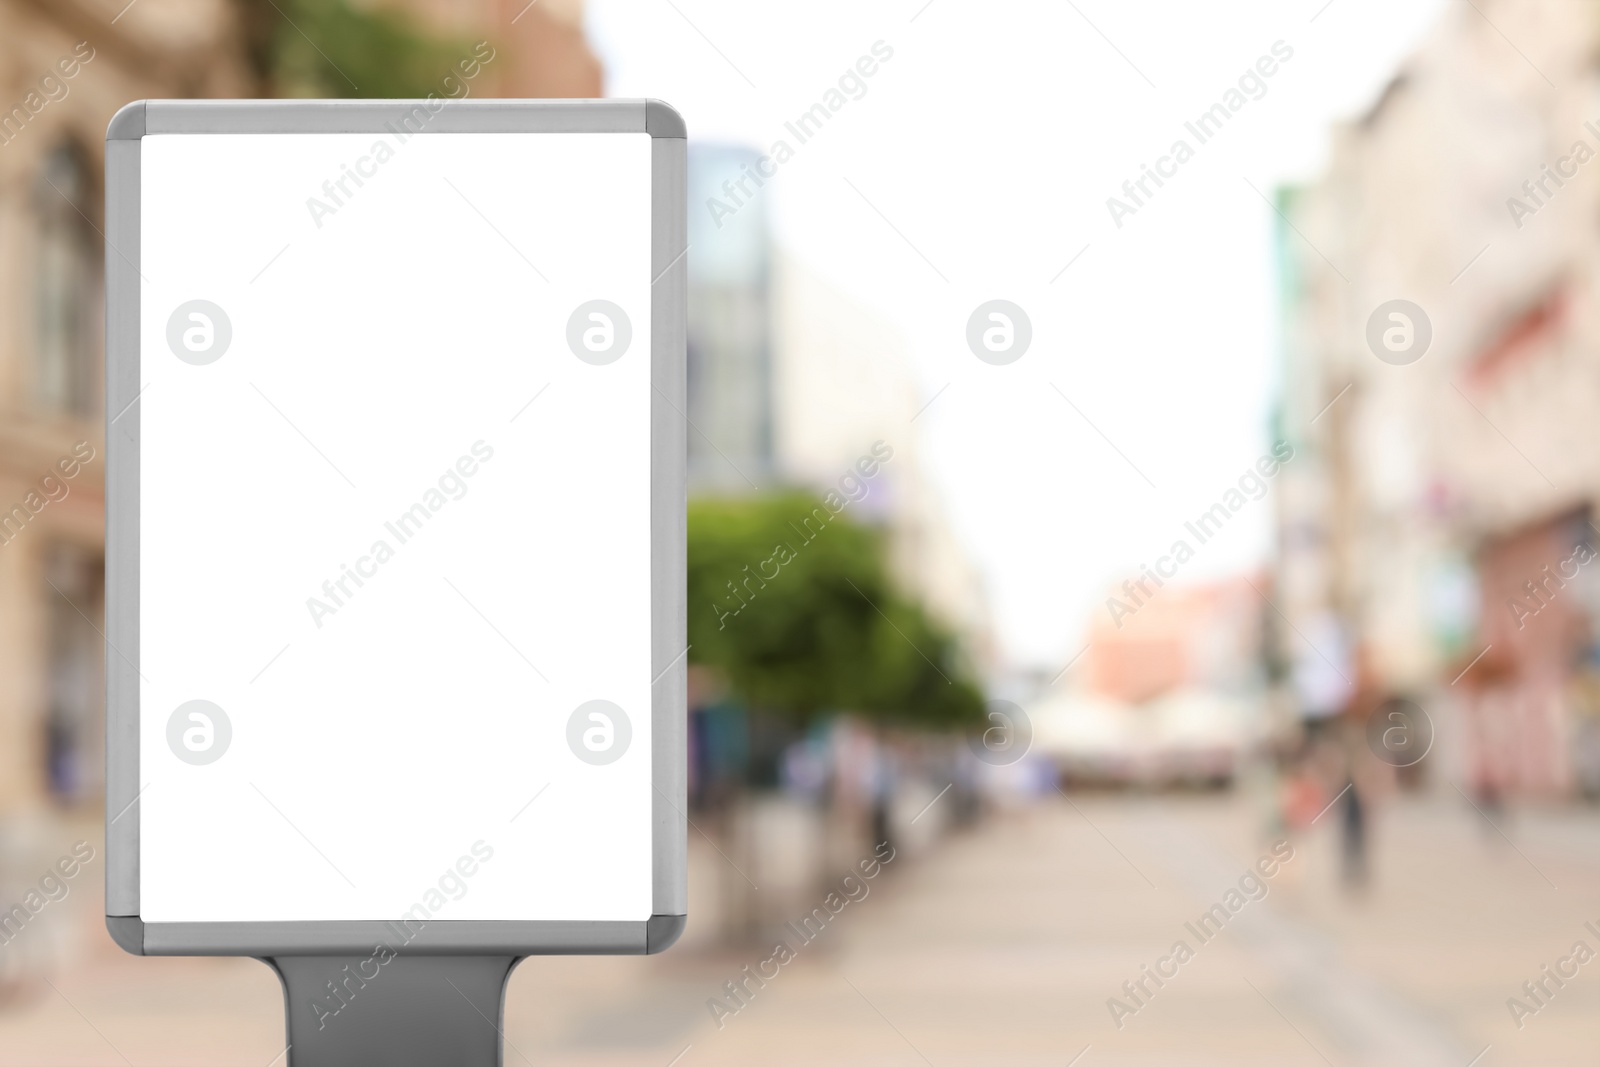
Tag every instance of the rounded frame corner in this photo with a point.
(128, 124)
(661, 932)
(661, 119)
(128, 932)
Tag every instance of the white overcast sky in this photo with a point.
(991, 141)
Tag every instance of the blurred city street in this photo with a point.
(1004, 944)
(1140, 472)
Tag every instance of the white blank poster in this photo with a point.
(395, 524)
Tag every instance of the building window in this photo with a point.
(67, 276)
(74, 734)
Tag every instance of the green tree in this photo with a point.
(794, 606)
(334, 48)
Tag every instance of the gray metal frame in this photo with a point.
(669, 627)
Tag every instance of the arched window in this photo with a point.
(67, 287)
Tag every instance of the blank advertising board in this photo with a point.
(395, 537)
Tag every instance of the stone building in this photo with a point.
(1449, 454)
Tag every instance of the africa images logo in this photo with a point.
(199, 332)
(199, 732)
(599, 332)
(1399, 332)
(999, 332)
(598, 732)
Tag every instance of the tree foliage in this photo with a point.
(335, 48)
(793, 604)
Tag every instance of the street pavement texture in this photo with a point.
(1010, 942)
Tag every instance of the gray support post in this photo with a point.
(406, 1011)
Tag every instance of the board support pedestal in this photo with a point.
(399, 1011)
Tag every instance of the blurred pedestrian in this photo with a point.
(1321, 676)
(1322, 687)
(1489, 683)
(1362, 771)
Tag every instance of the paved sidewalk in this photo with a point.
(1003, 946)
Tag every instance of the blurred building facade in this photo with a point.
(65, 68)
(1204, 636)
(1437, 503)
(730, 334)
(791, 381)
(845, 382)
(1167, 695)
